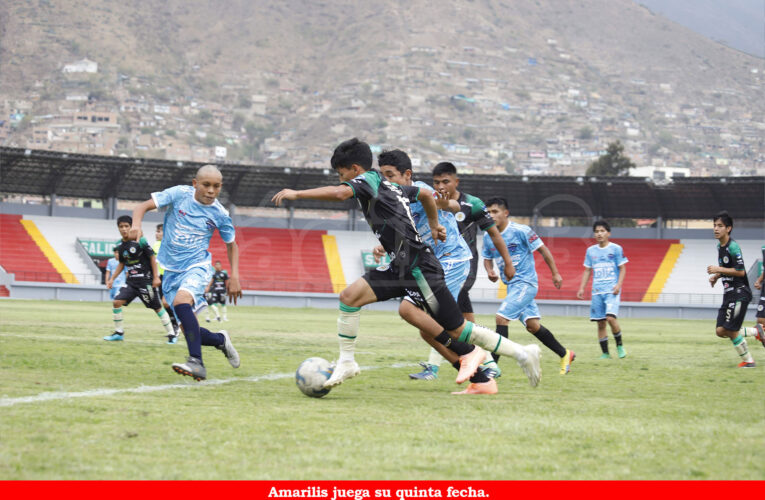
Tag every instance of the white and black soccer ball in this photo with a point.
(311, 375)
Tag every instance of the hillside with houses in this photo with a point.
(494, 86)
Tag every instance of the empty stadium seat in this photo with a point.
(285, 260)
(20, 255)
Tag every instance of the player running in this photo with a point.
(737, 294)
(414, 271)
(471, 216)
(453, 254)
(137, 259)
(521, 241)
(193, 214)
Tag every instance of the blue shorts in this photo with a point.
(520, 303)
(193, 280)
(604, 304)
(455, 274)
(114, 290)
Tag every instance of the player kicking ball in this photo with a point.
(414, 270)
(193, 214)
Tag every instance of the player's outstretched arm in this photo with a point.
(327, 193)
(727, 271)
(138, 213)
(550, 261)
(443, 202)
(501, 247)
(585, 279)
(233, 288)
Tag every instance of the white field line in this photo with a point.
(94, 393)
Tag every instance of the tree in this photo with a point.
(613, 163)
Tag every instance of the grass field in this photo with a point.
(75, 407)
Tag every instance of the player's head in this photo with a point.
(207, 183)
(497, 208)
(396, 166)
(116, 252)
(602, 230)
(124, 222)
(351, 159)
(445, 178)
(723, 224)
(159, 232)
(218, 265)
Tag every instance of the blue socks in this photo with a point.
(195, 336)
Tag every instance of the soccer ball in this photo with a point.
(311, 375)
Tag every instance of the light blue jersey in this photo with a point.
(111, 266)
(521, 243)
(604, 263)
(189, 225)
(455, 248)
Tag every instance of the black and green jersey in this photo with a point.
(730, 256)
(472, 215)
(136, 258)
(219, 281)
(386, 208)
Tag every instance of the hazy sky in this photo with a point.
(737, 23)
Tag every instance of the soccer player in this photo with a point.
(193, 214)
(453, 254)
(760, 326)
(472, 215)
(117, 279)
(217, 293)
(158, 235)
(737, 294)
(606, 262)
(141, 279)
(521, 241)
(414, 271)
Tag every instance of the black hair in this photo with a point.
(352, 152)
(600, 222)
(115, 249)
(500, 202)
(161, 226)
(124, 218)
(444, 167)
(217, 262)
(725, 218)
(395, 158)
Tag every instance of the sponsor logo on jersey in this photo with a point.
(210, 224)
(460, 216)
(180, 211)
(725, 259)
(534, 237)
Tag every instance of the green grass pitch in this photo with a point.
(75, 407)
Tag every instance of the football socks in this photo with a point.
(548, 339)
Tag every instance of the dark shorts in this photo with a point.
(761, 307)
(148, 295)
(464, 298)
(216, 298)
(732, 311)
(423, 283)
(161, 279)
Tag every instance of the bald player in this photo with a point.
(193, 214)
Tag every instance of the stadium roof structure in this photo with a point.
(25, 171)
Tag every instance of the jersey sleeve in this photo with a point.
(168, 196)
(620, 258)
(411, 193)
(737, 256)
(480, 214)
(488, 245)
(588, 259)
(362, 190)
(532, 239)
(226, 229)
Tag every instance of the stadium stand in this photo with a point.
(285, 260)
(21, 255)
